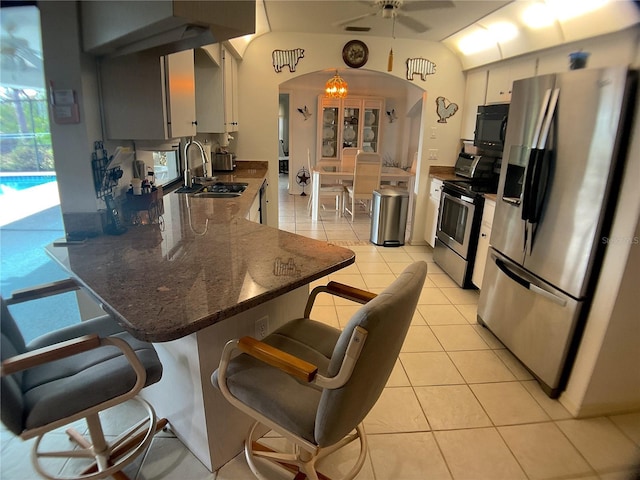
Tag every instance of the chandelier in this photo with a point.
(336, 87)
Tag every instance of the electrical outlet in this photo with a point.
(433, 154)
(433, 132)
(262, 327)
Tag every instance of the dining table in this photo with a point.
(331, 173)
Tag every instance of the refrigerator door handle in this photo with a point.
(504, 268)
(547, 123)
(533, 155)
(540, 118)
(537, 187)
(528, 198)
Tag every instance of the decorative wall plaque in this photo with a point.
(421, 66)
(445, 110)
(289, 58)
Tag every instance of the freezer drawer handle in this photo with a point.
(554, 298)
(512, 275)
(528, 285)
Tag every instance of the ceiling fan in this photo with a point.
(396, 9)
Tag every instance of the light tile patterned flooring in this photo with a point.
(458, 405)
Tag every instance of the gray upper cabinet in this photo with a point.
(167, 26)
(146, 97)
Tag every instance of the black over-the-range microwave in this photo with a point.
(491, 126)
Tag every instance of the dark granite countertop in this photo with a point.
(442, 172)
(204, 263)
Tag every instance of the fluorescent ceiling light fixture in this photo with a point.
(538, 15)
(475, 42)
(567, 9)
(485, 38)
(503, 31)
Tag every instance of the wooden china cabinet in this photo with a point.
(349, 122)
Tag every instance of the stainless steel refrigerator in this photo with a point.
(565, 149)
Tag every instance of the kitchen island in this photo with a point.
(203, 275)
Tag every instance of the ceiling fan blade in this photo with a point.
(411, 23)
(409, 6)
(342, 23)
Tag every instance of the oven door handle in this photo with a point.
(459, 199)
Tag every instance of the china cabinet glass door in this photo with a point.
(330, 139)
(351, 118)
(353, 122)
(371, 129)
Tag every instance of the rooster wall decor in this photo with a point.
(305, 112)
(445, 111)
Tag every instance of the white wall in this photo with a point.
(259, 88)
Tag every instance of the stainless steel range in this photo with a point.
(460, 215)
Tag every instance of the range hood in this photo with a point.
(113, 28)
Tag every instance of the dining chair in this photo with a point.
(314, 384)
(348, 159)
(74, 373)
(366, 178)
(325, 189)
(348, 162)
(405, 185)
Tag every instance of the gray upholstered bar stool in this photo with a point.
(313, 384)
(70, 374)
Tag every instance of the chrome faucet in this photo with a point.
(188, 179)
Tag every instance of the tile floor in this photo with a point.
(457, 406)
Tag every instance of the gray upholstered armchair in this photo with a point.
(70, 374)
(313, 384)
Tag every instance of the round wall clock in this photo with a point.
(355, 53)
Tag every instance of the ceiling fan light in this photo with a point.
(336, 87)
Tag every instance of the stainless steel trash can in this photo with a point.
(389, 216)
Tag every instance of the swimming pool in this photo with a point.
(12, 183)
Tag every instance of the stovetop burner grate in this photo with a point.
(472, 187)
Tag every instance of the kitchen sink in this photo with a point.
(216, 190)
(216, 194)
(227, 187)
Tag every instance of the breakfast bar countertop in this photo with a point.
(203, 263)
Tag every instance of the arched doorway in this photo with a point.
(400, 126)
